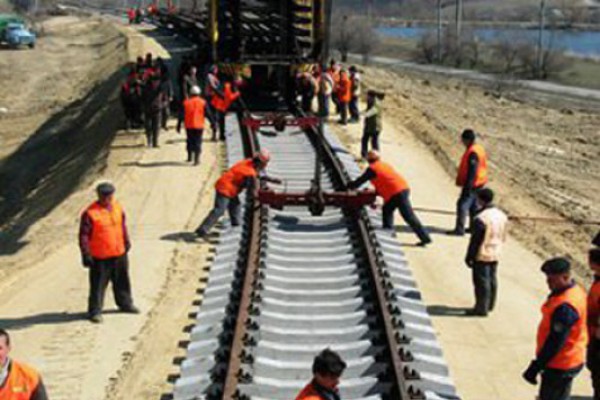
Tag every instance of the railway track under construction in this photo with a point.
(287, 284)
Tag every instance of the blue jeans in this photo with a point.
(222, 204)
(466, 204)
(354, 113)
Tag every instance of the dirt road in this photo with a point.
(43, 305)
(486, 355)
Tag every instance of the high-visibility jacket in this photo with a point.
(495, 222)
(593, 307)
(222, 104)
(21, 383)
(108, 237)
(481, 176)
(388, 182)
(230, 184)
(572, 354)
(310, 393)
(344, 89)
(193, 109)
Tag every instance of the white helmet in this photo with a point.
(195, 91)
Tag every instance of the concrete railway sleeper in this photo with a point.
(287, 284)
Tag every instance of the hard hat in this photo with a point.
(263, 156)
(373, 156)
(195, 90)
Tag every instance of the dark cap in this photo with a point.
(596, 241)
(558, 265)
(468, 135)
(105, 189)
(485, 195)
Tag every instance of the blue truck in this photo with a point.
(14, 33)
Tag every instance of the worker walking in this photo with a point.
(395, 191)
(562, 335)
(344, 94)
(593, 304)
(211, 89)
(373, 123)
(228, 187)
(18, 381)
(155, 95)
(327, 370)
(194, 116)
(104, 244)
(221, 102)
(354, 94)
(472, 176)
(487, 237)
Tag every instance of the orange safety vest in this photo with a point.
(387, 181)
(593, 308)
(230, 183)
(309, 393)
(194, 112)
(222, 104)
(107, 239)
(481, 176)
(345, 89)
(21, 382)
(572, 354)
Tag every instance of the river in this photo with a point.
(579, 43)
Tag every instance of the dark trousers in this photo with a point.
(153, 125)
(221, 122)
(323, 105)
(354, 114)
(401, 201)
(194, 144)
(556, 384)
(116, 271)
(367, 136)
(164, 117)
(222, 204)
(593, 364)
(211, 114)
(343, 112)
(307, 101)
(465, 205)
(486, 286)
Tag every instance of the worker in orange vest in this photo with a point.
(395, 191)
(562, 335)
(18, 381)
(334, 71)
(344, 94)
(194, 110)
(104, 244)
(487, 237)
(593, 353)
(221, 102)
(472, 176)
(327, 369)
(228, 187)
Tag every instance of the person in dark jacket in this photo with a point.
(373, 123)
(18, 381)
(562, 335)
(488, 234)
(165, 77)
(156, 98)
(327, 370)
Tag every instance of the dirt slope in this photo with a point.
(544, 161)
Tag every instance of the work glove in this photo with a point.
(87, 261)
(531, 373)
(469, 262)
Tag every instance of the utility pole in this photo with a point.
(540, 60)
(439, 30)
(459, 16)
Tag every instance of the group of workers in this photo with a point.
(336, 84)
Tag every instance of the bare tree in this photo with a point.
(427, 48)
(366, 39)
(342, 35)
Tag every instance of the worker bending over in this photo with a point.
(104, 244)
(395, 191)
(327, 369)
(472, 175)
(593, 353)
(487, 237)
(18, 381)
(194, 109)
(228, 187)
(562, 335)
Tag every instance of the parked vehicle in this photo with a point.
(14, 33)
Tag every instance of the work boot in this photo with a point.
(196, 159)
(189, 156)
(455, 232)
(96, 319)
(424, 243)
(130, 310)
